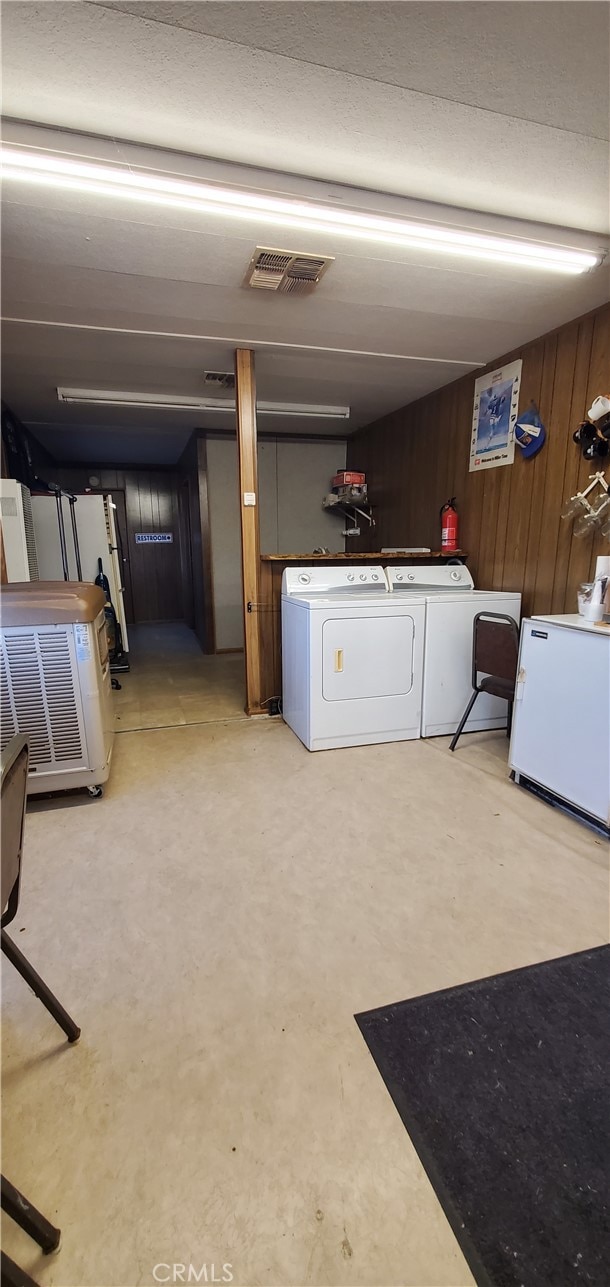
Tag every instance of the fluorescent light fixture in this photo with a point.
(175, 402)
(115, 181)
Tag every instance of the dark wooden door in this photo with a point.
(156, 567)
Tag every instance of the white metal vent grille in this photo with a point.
(30, 538)
(38, 689)
(7, 713)
(286, 271)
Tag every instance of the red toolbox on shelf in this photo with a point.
(348, 478)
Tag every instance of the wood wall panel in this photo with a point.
(510, 517)
(196, 559)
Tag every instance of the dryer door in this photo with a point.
(367, 657)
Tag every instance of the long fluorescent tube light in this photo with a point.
(122, 182)
(176, 402)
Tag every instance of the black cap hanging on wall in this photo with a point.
(593, 435)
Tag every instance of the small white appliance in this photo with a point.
(351, 657)
(55, 682)
(18, 531)
(560, 740)
(97, 538)
(451, 606)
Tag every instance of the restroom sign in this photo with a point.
(154, 538)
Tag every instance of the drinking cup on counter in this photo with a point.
(585, 591)
(590, 605)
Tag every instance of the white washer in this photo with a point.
(352, 657)
(451, 606)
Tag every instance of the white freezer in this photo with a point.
(561, 723)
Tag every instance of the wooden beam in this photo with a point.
(245, 407)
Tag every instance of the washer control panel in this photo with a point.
(427, 578)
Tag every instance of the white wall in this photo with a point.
(292, 479)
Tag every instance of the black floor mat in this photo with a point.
(502, 1086)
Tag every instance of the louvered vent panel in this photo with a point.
(40, 677)
(274, 261)
(286, 271)
(61, 698)
(25, 678)
(7, 719)
(107, 519)
(30, 539)
(296, 285)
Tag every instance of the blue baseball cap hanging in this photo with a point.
(530, 432)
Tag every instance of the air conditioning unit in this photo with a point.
(18, 531)
(55, 683)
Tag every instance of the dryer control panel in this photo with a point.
(333, 580)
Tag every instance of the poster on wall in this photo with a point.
(496, 401)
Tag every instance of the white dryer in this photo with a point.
(352, 657)
(451, 606)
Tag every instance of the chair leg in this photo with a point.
(460, 727)
(39, 987)
(29, 1218)
(11, 1275)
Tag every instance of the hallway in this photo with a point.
(172, 682)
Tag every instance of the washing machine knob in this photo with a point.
(363, 576)
(304, 578)
(400, 577)
(375, 576)
(350, 576)
(410, 576)
(456, 576)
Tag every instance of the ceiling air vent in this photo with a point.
(285, 271)
(219, 379)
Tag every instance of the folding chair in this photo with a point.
(495, 650)
(14, 773)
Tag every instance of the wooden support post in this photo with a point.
(245, 407)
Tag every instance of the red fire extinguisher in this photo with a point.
(449, 527)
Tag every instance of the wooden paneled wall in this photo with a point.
(197, 572)
(152, 505)
(417, 457)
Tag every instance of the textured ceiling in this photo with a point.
(495, 107)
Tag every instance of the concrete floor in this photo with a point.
(173, 682)
(214, 922)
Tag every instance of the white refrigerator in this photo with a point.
(561, 721)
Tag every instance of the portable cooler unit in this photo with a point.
(18, 531)
(55, 682)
